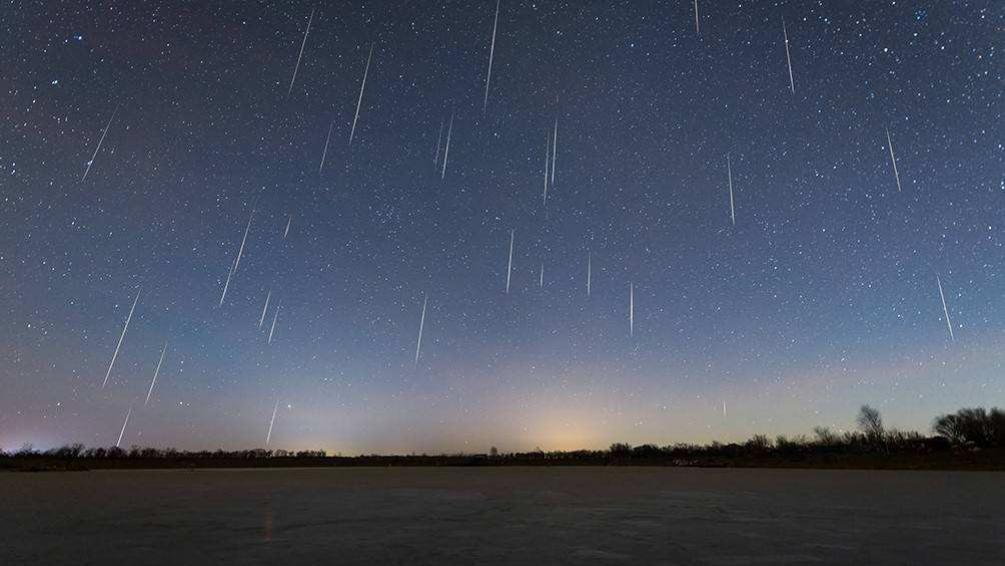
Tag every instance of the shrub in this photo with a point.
(975, 427)
(646, 451)
(758, 443)
(27, 449)
(825, 437)
(620, 449)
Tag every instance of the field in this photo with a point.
(504, 515)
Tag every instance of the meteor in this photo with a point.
(123, 431)
(268, 437)
(121, 336)
(446, 151)
(492, 52)
(100, 141)
(631, 309)
(893, 160)
(949, 324)
(788, 59)
(422, 322)
(509, 266)
(265, 308)
(302, 45)
(359, 102)
(729, 172)
(156, 371)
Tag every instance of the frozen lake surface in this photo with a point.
(588, 515)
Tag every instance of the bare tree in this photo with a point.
(973, 427)
(870, 423)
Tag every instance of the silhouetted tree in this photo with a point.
(870, 423)
(758, 443)
(71, 451)
(973, 427)
(997, 419)
(620, 449)
(825, 437)
(646, 451)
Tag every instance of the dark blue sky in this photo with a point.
(823, 296)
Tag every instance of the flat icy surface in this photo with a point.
(587, 515)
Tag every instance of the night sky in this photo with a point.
(823, 296)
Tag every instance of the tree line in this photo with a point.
(966, 432)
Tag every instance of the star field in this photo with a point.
(821, 297)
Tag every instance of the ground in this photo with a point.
(589, 515)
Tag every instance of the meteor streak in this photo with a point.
(492, 52)
(729, 172)
(98, 148)
(788, 59)
(359, 102)
(156, 372)
(422, 323)
(123, 431)
(631, 309)
(121, 336)
(268, 436)
(446, 151)
(265, 308)
(509, 266)
(302, 45)
(893, 160)
(949, 324)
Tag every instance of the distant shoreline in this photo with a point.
(987, 460)
(970, 439)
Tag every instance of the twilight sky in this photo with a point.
(823, 295)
